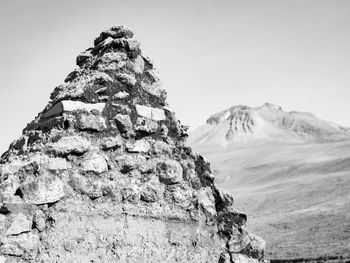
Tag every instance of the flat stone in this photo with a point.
(123, 122)
(150, 113)
(235, 257)
(170, 171)
(19, 225)
(71, 106)
(95, 163)
(69, 145)
(138, 146)
(58, 164)
(45, 189)
(91, 122)
(121, 95)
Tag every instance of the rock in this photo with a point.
(138, 146)
(111, 61)
(164, 130)
(150, 113)
(2, 259)
(146, 125)
(170, 171)
(91, 122)
(114, 32)
(8, 187)
(110, 143)
(242, 258)
(72, 106)
(153, 85)
(127, 163)
(131, 194)
(121, 95)
(207, 201)
(225, 258)
(162, 148)
(257, 246)
(84, 58)
(123, 123)
(69, 145)
(39, 220)
(43, 190)
(69, 245)
(2, 222)
(95, 163)
(150, 193)
(25, 245)
(19, 225)
(86, 185)
(58, 164)
(126, 79)
(138, 65)
(229, 218)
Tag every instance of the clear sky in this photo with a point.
(211, 54)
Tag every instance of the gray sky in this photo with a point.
(211, 54)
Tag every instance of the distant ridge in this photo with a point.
(268, 121)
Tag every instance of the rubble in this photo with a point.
(103, 174)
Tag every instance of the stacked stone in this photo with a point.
(103, 174)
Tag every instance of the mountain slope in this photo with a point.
(291, 165)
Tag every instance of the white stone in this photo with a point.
(2, 259)
(95, 163)
(19, 225)
(121, 95)
(150, 113)
(137, 65)
(240, 258)
(139, 146)
(71, 106)
(58, 164)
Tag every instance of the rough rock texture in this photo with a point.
(103, 174)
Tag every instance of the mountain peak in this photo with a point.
(268, 121)
(271, 106)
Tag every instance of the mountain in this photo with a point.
(290, 171)
(103, 174)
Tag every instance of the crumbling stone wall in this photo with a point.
(103, 174)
